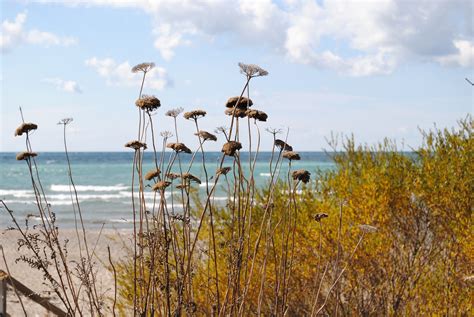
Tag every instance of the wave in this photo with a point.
(88, 188)
(18, 193)
(266, 174)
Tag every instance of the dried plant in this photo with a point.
(148, 103)
(25, 128)
(195, 114)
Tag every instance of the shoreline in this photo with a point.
(117, 239)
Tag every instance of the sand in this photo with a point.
(118, 240)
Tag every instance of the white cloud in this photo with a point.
(464, 56)
(117, 74)
(13, 33)
(365, 37)
(64, 85)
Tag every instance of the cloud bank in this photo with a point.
(357, 38)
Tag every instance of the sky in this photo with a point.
(373, 69)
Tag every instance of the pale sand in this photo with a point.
(118, 240)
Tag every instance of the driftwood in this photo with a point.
(6, 279)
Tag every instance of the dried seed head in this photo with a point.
(182, 186)
(173, 176)
(273, 131)
(166, 134)
(230, 147)
(243, 102)
(195, 114)
(320, 216)
(301, 175)
(256, 114)
(65, 121)
(152, 174)
(161, 185)
(25, 128)
(174, 112)
(292, 156)
(148, 103)
(178, 147)
(136, 145)
(252, 70)
(190, 177)
(236, 112)
(142, 67)
(25, 155)
(223, 170)
(221, 129)
(206, 135)
(282, 145)
(367, 228)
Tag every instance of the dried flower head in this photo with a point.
(25, 128)
(223, 170)
(282, 145)
(166, 134)
(206, 135)
(25, 155)
(221, 129)
(252, 70)
(301, 175)
(143, 67)
(190, 177)
(152, 174)
(239, 102)
(320, 216)
(367, 228)
(174, 112)
(256, 114)
(236, 112)
(292, 156)
(173, 176)
(182, 186)
(161, 185)
(65, 121)
(148, 103)
(195, 114)
(231, 147)
(178, 147)
(136, 145)
(273, 131)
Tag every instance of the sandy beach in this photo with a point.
(118, 240)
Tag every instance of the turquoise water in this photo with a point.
(103, 182)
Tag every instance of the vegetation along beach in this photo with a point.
(224, 192)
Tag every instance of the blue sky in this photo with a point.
(372, 68)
